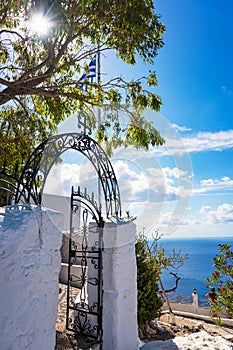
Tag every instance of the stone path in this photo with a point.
(187, 334)
(61, 316)
(63, 340)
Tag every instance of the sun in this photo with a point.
(39, 24)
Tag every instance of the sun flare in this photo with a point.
(39, 24)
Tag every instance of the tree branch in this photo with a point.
(5, 82)
(12, 32)
(175, 286)
(22, 105)
(34, 69)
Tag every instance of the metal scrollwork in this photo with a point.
(84, 290)
(30, 184)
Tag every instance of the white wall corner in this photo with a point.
(30, 241)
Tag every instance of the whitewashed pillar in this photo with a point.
(30, 241)
(120, 331)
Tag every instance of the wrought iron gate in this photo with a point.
(84, 289)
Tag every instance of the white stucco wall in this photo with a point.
(30, 262)
(120, 331)
(60, 204)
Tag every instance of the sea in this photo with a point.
(197, 268)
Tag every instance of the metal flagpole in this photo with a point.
(98, 80)
(99, 123)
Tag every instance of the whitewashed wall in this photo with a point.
(120, 330)
(60, 204)
(30, 241)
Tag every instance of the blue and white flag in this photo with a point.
(91, 75)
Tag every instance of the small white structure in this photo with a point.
(30, 262)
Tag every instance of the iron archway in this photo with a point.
(32, 180)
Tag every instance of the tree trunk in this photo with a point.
(167, 301)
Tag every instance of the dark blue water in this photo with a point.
(198, 267)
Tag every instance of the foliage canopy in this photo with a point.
(40, 74)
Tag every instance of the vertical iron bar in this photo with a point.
(69, 264)
(100, 277)
(99, 124)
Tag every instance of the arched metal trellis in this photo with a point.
(32, 180)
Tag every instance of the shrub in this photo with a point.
(149, 302)
(222, 280)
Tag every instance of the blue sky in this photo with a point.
(195, 66)
(195, 74)
(186, 187)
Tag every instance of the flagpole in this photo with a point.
(99, 123)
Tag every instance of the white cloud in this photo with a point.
(210, 185)
(224, 181)
(199, 142)
(151, 184)
(181, 128)
(166, 187)
(169, 218)
(209, 141)
(136, 184)
(132, 181)
(65, 175)
(141, 175)
(171, 172)
(223, 214)
(144, 191)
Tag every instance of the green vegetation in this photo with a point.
(40, 74)
(149, 303)
(151, 259)
(222, 281)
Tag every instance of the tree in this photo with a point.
(148, 271)
(151, 259)
(222, 281)
(40, 74)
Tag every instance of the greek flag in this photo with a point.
(91, 75)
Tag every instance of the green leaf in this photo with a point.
(44, 71)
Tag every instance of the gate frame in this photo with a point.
(28, 184)
(83, 201)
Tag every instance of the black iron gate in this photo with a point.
(84, 289)
(25, 184)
